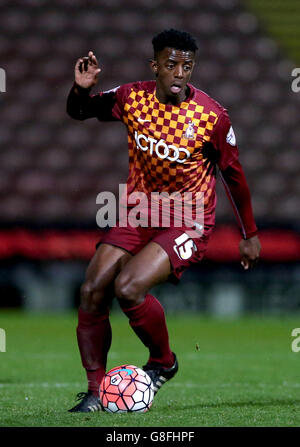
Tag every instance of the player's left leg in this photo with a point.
(151, 266)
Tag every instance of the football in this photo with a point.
(126, 388)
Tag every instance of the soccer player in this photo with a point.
(177, 138)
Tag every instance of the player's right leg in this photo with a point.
(149, 267)
(93, 330)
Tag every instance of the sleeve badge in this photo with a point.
(230, 138)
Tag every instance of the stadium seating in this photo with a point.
(53, 167)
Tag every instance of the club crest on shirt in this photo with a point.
(190, 131)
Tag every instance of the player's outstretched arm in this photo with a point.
(80, 105)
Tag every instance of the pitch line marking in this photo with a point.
(180, 384)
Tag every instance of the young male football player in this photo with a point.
(177, 137)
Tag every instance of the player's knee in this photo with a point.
(91, 296)
(128, 290)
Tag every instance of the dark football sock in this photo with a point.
(94, 340)
(148, 322)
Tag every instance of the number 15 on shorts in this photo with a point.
(184, 246)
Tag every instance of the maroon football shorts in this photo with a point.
(182, 250)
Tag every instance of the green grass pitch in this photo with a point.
(232, 373)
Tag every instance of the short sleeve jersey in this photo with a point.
(165, 141)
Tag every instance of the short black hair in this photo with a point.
(172, 38)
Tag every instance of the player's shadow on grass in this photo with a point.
(250, 403)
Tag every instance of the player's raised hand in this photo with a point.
(249, 251)
(87, 71)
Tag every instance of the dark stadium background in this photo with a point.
(52, 167)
